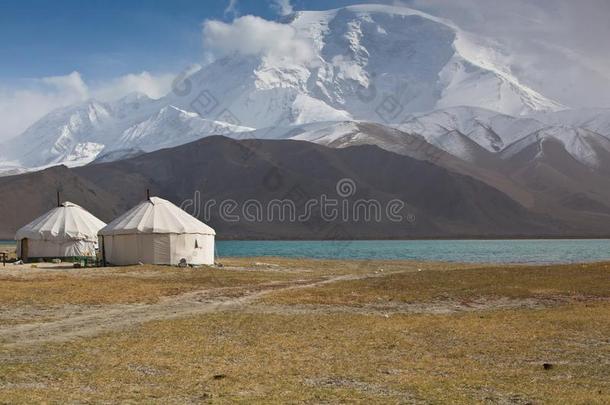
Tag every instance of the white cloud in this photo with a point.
(283, 7)
(72, 83)
(26, 101)
(154, 86)
(250, 35)
(22, 106)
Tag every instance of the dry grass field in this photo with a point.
(291, 331)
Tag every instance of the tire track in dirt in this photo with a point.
(108, 318)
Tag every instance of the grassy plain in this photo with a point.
(272, 330)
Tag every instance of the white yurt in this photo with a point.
(66, 231)
(157, 232)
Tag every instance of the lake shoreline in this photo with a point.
(502, 251)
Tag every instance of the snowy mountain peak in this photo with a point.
(171, 126)
(489, 129)
(63, 135)
(390, 65)
(365, 62)
(585, 146)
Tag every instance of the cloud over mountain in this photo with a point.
(251, 35)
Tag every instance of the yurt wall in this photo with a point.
(195, 248)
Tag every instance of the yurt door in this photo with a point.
(24, 249)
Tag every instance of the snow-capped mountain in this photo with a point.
(76, 135)
(464, 132)
(63, 135)
(370, 62)
(587, 147)
(594, 119)
(421, 76)
(169, 127)
(489, 129)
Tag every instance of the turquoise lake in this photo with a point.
(474, 251)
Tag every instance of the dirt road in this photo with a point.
(70, 322)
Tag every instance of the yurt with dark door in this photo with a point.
(157, 232)
(67, 231)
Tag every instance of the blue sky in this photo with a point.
(103, 39)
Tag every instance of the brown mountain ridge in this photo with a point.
(439, 203)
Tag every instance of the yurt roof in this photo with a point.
(64, 223)
(156, 215)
